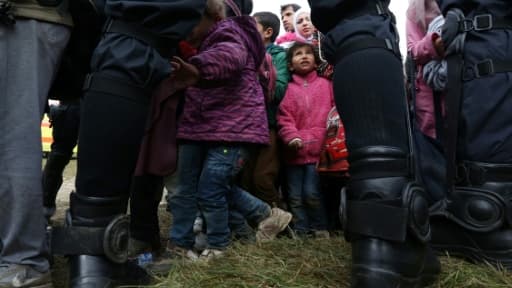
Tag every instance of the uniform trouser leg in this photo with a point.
(111, 129)
(65, 120)
(146, 194)
(30, 53)
(384, 214)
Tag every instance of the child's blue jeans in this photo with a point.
(305, 198)
(205, 181)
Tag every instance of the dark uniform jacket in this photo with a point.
(485, 129)
(496, 7)
(126, 58)
(346, 20)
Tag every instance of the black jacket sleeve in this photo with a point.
(446, 5)
(170, 18)
(327, 13)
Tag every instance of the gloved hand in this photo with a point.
(450, 30)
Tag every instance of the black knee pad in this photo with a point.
(94, 226)
(382, 201)
(95, 211)
(475, 209)
(387, 219)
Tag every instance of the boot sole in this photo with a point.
(497, 259)
(370, 277)
(385, 278)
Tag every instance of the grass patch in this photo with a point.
(307, 263)
(281, 263)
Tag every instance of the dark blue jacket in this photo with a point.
(495, 7)
(344, 20)
(170, 18)
(123, 57)
(485, 133)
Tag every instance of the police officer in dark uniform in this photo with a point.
(131, 59)
(384, 212)
(65, 120)
(474, 221)
(67, 88)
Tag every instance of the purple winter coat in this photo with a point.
(227, 105)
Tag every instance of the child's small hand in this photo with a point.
(296, 144)
(184, 74)
(438, 45)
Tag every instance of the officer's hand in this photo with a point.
(451, 26)
(184, 74)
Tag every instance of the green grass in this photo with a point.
(308, 263)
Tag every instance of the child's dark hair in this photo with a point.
(269, 20)
(297, 45)
(294, 6)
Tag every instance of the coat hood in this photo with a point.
(249, 33)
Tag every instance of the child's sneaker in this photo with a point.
(200, 241)
(209, 254)
(198, 225)
(273, 225)
(15, 275)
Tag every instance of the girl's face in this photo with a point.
(303, 60)
(304, 25)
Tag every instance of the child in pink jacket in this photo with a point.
(302, 126)
(424, 46)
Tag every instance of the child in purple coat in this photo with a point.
(224, 112)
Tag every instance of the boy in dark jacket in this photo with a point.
(261, 172)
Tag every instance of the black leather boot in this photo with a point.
(96, 241)
(385, 217)
(475, 221)
(88, 271)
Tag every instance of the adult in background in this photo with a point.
(385, 213)
(287, 17)
(32, 39)
(67, 89)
